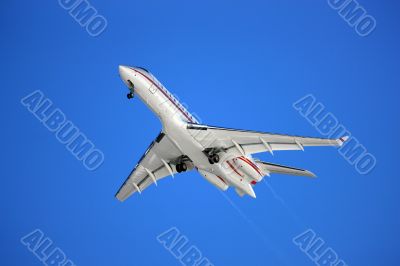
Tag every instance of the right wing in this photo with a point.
(158, 162)
(244, 142)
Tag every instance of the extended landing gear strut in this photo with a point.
(131, 94)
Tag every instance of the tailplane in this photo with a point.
(270, 168)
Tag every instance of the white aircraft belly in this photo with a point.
(187, 145)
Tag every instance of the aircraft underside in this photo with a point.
(223, 156)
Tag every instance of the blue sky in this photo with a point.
(239, 64)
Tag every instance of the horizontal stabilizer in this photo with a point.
(281, 169)
(239, 192)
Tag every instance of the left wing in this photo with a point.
(246, 142)
(158, 162)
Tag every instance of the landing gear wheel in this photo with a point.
(182, 167)
(178, 168)
(215, 158)
(129, 95)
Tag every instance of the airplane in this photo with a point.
(223, 156)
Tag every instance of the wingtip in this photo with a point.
(342, 140)
(311, 175)
(119, 199)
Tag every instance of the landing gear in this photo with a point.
(214, 158)
(213, 154)
(182, 167)
(131, 94)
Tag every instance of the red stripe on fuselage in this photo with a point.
(221, 179)
(166, 95)
(233, 168)
(244, 159)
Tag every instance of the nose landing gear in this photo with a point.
(131, 94)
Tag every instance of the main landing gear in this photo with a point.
(212, 154)
(181, 167)
(214, 158)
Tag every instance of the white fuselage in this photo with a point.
(175, 119)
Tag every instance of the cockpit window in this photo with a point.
(142, 68)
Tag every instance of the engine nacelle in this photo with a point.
(249, 168)
(215, 180)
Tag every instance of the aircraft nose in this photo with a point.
(123, 71)
(125, 74)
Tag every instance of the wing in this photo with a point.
(271, 168)
(158, 162)
(246, 142)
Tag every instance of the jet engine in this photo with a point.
(215, 180)
(249, 168)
